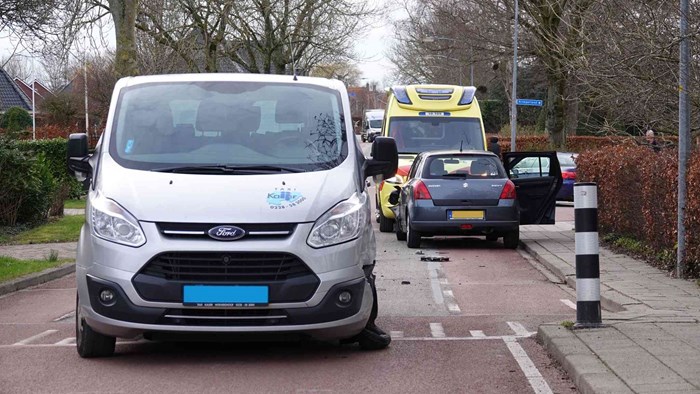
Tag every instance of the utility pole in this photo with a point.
(85, 81)
(514, 94)
(33, 112)
(683, 135)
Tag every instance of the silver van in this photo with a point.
(229, 204)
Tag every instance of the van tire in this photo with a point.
(90, 343)
(512, 239)
(385, 225)
(413, 237)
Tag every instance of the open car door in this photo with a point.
(537, 179)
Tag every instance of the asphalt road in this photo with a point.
(463, 325)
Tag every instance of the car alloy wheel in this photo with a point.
(412, 237)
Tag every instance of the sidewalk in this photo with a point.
(651, 341)
(66, 250)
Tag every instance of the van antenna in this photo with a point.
(460, 145)
(294, 67)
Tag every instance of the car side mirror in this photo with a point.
(78, 156)
(385, 158)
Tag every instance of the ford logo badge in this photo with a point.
(226, 233)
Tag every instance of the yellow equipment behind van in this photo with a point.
(426, 118)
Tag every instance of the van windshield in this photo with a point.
(228, 124)
(420, 134)
(375, 123)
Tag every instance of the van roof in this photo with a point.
(434, 97)
(232, 77)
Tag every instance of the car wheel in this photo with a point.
(386, 225)
(512, 239)
(400, 234)
(412, 237)
(364, 139)
(492, 237)
(89, 342)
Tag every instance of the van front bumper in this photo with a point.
(330, 319)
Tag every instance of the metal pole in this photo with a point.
(683, 135)
(33, 112)
(87, 122)
(514, 94)
(471, 65)
(587, 255)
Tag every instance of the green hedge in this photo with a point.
(35, 180)
(637, 189)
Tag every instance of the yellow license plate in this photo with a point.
(474, 215)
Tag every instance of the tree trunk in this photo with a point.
(554, 124)
(571, 107)
(124, 18)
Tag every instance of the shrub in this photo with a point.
(15, 119)
(637, 198)
(55, 151)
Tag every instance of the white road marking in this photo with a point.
(396, 334)
(569, 303)
(534, 377)
(436, 330)
(66, 316)
(35, 337)
(448, 293)
(67, 341)
(435, 283)
(453, 308)
(477, 333)
(518, 328)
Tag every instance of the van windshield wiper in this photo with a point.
(229, 169)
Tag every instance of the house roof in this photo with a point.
(11, 95)
(40, 91)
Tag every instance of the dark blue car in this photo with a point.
(568, 174)
(472, 193)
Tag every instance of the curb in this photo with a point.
(587, 371)
(36, 278)
(609, 299)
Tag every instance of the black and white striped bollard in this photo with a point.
(587, 260)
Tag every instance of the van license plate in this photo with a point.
(221, 295)
(474, 215)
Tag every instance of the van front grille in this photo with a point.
(224, 317)
(246, 267)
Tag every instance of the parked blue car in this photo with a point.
(568, 174)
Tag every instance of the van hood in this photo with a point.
(196, 198)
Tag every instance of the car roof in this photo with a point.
(457, 152)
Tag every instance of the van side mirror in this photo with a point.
(385, 158)
(78, 155)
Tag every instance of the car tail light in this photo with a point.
(466, 227)
(508, 192)
(568, 175)
(381, 185)
(420, 192)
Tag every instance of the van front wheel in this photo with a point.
(89, 342)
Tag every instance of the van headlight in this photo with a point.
(341, 223)
(111, 222)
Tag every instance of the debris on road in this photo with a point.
(405, 282)
(434, 258)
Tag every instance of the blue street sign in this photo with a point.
(352, 94)
(529, 102)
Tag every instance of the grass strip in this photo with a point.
(65, 229)
(11, 268)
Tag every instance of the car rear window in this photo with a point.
(463, 166)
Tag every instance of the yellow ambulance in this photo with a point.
(427, 118)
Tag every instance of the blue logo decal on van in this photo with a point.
(226, 233)
(284, 198)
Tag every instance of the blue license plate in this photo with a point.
(219, 295)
